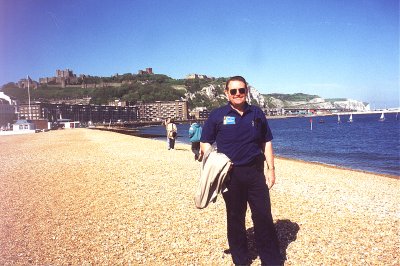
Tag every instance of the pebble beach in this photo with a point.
(89, 197)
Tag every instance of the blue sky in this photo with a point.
(331, 48)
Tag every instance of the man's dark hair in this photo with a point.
(235, 78)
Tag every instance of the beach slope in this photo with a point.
(88, 197)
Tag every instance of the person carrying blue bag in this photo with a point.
(194, 136)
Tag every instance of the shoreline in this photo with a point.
(134, 132)
(335, 114)
(94, 197)
(340, 167)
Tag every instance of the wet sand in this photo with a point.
(93, 197)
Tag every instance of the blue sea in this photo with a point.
(365, 144)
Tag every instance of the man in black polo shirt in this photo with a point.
(242, 133)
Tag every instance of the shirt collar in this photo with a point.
(228, 108)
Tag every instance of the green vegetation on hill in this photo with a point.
(133, 88)
(100, 95)
(139, 88)
(136, 92)
(128, 77)
(126, 87)
(296, 97)
(11, 89)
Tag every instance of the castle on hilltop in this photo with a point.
(148, 70)
(63, 77)
(68, 78)
(24, 83)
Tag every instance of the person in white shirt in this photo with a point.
(172, 133)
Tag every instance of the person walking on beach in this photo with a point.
(194, 137)
(172, 133)
(242, 133)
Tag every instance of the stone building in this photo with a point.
(63, 78)
(78, 112)
(114, 112)
(199, 113)
(23, 83)
(148, 70)
(159, 111)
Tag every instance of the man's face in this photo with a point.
(239, 91)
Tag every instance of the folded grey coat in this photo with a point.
(213, 175)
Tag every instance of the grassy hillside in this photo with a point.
(291, 97)
(127, 87)
(134, 88)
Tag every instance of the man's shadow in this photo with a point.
(286, 231)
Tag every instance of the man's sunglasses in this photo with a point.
(234, 91)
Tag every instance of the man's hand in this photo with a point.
(203, 148)
(270, 178)
(201, 154)
(269, 155)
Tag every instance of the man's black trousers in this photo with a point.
(247, 184)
